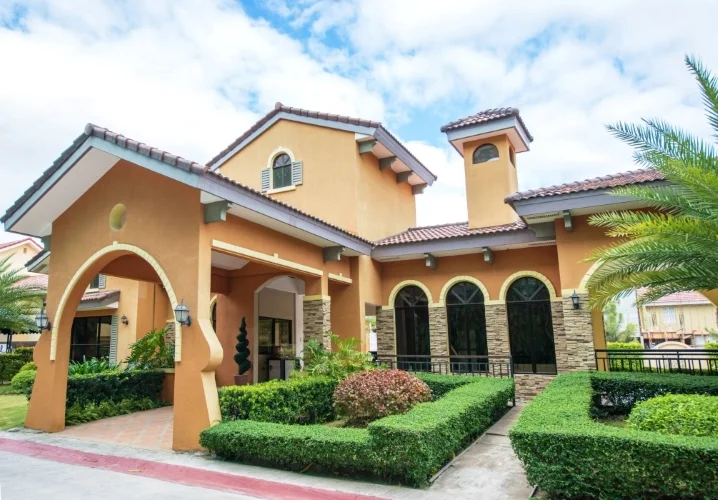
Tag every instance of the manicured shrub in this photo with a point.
(683, 414)
(114, 386)
(78, 414)
(10, 364)
(25, 352)
(569, 455)
(29, 366)
(372, 394)
(408, 448)
(618, 393)
(22, 382)
(634, 346)
(441, 384)
(301, 400)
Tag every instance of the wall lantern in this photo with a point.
(42, 322)
(182, 314)
(124, 320)
(576, 300)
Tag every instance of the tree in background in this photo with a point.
(613, 325)
(19, 304)
(672, 249)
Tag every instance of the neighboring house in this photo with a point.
(307, 223)
(686, 317)
(19, 251)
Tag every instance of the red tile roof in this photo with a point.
(444, 231)
(19, 242)
(608, 181)
(681, 298)
(488, 115)
(34, 281)
(279, 107)
(40, 281)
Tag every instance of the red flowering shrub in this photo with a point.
(373, 394)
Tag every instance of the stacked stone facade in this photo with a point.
(438, 331)
(385, 342)
(529, 385)
(497, 330)
(317, 321)
(559, 337)
(579, 334)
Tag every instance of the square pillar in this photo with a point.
(438, 331)
(385, 339)
(497, 330)
(579, 334)
(559, 337)
(317, 319)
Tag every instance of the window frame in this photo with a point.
(267, 349)
(100, 347)
(411, 326)
(461, 315)
(485, 146)
(669, 315)
(94, 283)
(286, 171)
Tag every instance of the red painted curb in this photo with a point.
(261, 488)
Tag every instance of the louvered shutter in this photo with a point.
(113, 340)
(101, 281)
(265, 180)
(297, 177)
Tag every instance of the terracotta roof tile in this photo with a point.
(34, 281)
(40, 281)
(444, 231)
(680, 298)
(18, 242)
(608, 181)
(99, 295)
(488, 115)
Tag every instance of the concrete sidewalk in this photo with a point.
(488, 469)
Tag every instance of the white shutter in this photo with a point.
(265, 180)
(101, 281)
(113, 340)
(297, 173)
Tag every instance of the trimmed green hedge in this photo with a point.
(22, 382)
(10, 364)
(618, 393)
(441, 384)
(569, 455)
(409, 447)
(114, 387)
(681, 414)
(634, 346)
(301, 400)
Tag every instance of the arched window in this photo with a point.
(467, 327)
(411, 312)
(485, 152)
(282, 171)
(213, 316)
(528, 305)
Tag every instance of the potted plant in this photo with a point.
(242, 356)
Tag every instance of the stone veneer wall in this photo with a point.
(438, 331)
(529, 385)
(385, 342)
(497, 330)
(317, 321)
(579, 334)
(559, 337)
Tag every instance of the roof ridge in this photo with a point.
(487, 115)
(445, 224)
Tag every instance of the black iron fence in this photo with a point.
(690, 361)
(483, 366)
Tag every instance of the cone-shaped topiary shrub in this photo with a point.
(242, 347)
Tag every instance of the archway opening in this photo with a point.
(411, 313)
(528, 306)
(466, 318)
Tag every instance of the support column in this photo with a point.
(317, 319)
(579, 334)
(559, 337)
(385, 341)
(438, 331)
(497, 330)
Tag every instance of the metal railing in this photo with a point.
(690, 361)
(482, 366)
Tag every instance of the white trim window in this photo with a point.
(669, 315)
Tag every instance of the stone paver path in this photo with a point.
(151, 429)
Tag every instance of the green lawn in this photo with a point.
(5, 389)
(12, 411)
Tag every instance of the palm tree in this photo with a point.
(18, 303)
(673, 248)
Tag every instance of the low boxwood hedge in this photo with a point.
(568, 454)
(114, 386)
(301, 400)
(683, 414)
(408, 448)
(441, 384)
(10, 364)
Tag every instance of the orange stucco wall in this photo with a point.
(539, 259)
(487, 184)
(573, 247)
(164, 219)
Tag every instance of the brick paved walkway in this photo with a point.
(151, 429)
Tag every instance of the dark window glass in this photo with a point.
(91, 337)
(95, 283)
(485, 153)
(214, 317)
(411, 311)
(282, 171)
(528, 305)
(467, 327)
(273, 333)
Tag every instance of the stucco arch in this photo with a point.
(531, 274)
(277, 152)
(584, 281)
(459, 279)
(123, 248)
(399, 286)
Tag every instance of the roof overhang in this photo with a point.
(406, 160)
(39, 264)
(109, 300)
(447, 247)
(509, 126)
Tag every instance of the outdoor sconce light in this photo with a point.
(124, 320)
(41, 320)
(182, 314)
(576, 300)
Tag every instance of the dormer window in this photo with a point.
(485, 152)
(282, 171)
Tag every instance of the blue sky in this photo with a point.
(189, 76)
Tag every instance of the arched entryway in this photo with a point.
(528, 306)
(411, 313)
(466, 319)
